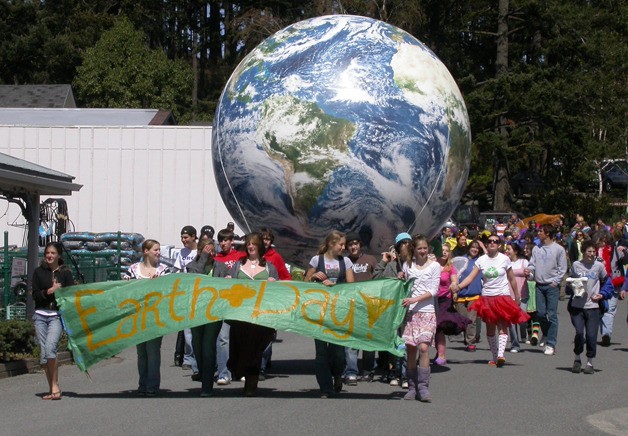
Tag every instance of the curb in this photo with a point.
(29, 366)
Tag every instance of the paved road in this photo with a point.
(532, 394)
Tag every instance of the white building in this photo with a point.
(149, 179)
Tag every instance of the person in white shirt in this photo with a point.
(420, 326)
(496, 306)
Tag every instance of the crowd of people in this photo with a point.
(509, 278)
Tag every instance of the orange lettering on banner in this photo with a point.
(174, 294)
(375, 308)
(260, 295)
(133, 317)
(347, 321)
(197, 293)
(152, 308)
(84, 313)
(322, 303)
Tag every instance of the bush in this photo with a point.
(17, 340)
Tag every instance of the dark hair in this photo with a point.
(476, 244)
(530, 246)
(549, 230)
(415, 238)
(255, 238)
(518, 250)
(266, 232)
(225, 234)
(57, 246)
(189, 230)
(202, 244)
(586, 245)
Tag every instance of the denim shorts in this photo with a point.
(48, 330)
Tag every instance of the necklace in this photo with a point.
(254, 262)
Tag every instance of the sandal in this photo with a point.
(52, 396)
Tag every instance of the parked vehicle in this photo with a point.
(615, 175)
(492, 217)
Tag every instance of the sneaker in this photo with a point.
(186, 367)
(404, 384)
(515, 350)
(223, 381)
(542, 342)
(527, 341)
(501, 361)
(606, 341)
(577, 367)
(368, 377)
(352, 380)
(262, 376)
(589, 369)
(471, 348)
(440, 361)
(492, 363)
(196, 376)
(534, 340)
(549, 351)
(394, 382)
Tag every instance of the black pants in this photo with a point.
(587, 323)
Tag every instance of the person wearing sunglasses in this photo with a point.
(495, 306)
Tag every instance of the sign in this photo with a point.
(102, 319)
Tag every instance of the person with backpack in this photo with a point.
(329, 267)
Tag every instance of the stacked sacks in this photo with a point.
(105, 246)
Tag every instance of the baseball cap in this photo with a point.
(401, 236)
(353, 237)
(189, 230)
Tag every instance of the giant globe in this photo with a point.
(341, 122)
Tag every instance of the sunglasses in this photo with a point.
(493, 241)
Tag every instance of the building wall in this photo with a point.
(149, 180)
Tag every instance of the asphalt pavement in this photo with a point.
(533, 394)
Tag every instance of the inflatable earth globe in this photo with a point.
(341, 122)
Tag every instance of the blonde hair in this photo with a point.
(333, 237)
(148, 244)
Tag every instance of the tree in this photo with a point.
(121, 71)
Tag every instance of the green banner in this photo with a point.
(102, 319)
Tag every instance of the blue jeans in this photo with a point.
(351, 356)
(48, 330)
(547, 312)
(585, 319)
(149, 365)
(188, 356)
(222, 351)
(329, 363)
(204, 343)
(606, 326)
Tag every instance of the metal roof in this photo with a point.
(18, 177)
(45, 117)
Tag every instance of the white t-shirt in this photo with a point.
(332, 266)
(185, 256)
(494, 269)
(425, 280)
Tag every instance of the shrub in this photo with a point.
(17, 340)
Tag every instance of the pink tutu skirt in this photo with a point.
(499, 309)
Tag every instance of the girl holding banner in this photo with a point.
(420, 326)
(329, 267)
(149, 352)
(48, 278)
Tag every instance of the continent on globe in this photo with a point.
(341, 122)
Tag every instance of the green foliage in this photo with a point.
(17, 340)
(122, 71)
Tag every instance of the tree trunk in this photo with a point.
(501, 191)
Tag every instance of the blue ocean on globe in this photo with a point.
(341, 122)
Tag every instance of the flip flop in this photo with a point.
(52, 396)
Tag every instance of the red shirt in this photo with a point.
(275, 258)
(230, 258)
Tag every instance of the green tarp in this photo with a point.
(105, 318)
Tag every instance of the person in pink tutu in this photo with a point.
(496, 306)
